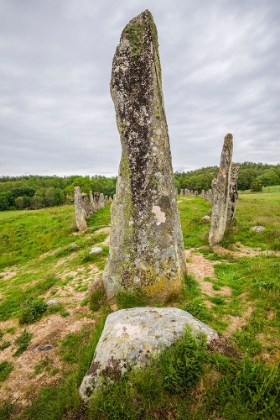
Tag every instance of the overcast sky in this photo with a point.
(220, 62)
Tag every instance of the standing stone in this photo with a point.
(91, 202)
(182, 193)
(146, 246)
(220, 194)
(80, 213)
(233, 193)
(96, 200)
(101, 201)
(86, 204)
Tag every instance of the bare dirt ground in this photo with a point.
(23, 383)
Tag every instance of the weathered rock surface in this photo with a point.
(43, 347)
(220, 194)
(233, 193)
(80, 212)
(146, 247)
(131, 336)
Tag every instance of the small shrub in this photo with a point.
(4, 345)
(5, 370)
(22, 342)
(183, 364)
(32, 311)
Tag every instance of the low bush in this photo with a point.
(32, 311)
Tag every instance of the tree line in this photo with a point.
(252, 176)
(36, 192)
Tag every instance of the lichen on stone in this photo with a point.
(144, 214)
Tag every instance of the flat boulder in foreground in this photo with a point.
(131, 336)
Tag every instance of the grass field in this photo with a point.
(234, 287)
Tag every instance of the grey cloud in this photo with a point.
(220, 63)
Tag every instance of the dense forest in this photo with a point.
(35, 192)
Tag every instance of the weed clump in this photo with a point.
(32, 311)
(5, 370)
(22, 342)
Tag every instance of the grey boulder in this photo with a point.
(131, 336)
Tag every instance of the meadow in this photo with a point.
(234, 287)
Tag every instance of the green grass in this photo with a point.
(195, 229)
(262, 209)
(131, 299)
(27, 234)
(189, 381)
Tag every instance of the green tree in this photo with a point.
(4, 202)
(256, 185)
(37, 202)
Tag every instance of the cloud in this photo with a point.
(220, 63)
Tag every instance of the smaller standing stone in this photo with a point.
(220, 190)
(91, 202)
(86, 204)
(101, 201)
(96, 200)
(233, 193)
(80, 213)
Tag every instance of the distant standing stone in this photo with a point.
(233, 193)
(220, 191)
(80, 212)
(146, 246)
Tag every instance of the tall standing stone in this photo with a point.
(146, 247)
(80, 212)
(233, 193)
(220, 194)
